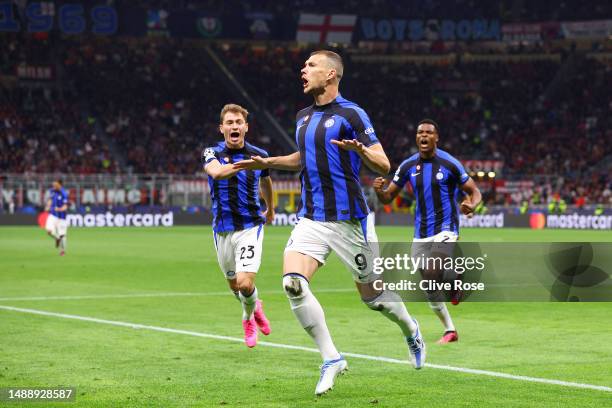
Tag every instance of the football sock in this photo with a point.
(310, 314)
(62, 243)
(392, 307)
(443, 314)
(248, 304)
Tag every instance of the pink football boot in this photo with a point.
(449, 337)
(250, 332)
(261, 319)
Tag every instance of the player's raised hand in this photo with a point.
(467, 208)
(349, 144)
(379, 184)
(254, 163)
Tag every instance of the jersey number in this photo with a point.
(361, 262)
(250, 252)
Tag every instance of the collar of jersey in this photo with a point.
(429, 160)
(327, 105)
(230, 150)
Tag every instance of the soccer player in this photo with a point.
(334, 137)
(237, 217)
(436, 178)
(57, 206)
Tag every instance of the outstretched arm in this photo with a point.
(291, 162)
(220, 171)
(374, 156)
(385, 195)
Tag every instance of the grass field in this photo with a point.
(166, 283)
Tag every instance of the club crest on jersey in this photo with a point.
(329, 123)
(418, 167)
(440, 175)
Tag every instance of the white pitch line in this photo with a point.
(111, 296)
(150, 295)
(308, 349)
(188, 294)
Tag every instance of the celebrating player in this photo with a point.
(56, 224)
(237, 217)
(435, 177)
(334, 137)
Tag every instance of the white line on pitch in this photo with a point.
(309, 349)
(152, 295)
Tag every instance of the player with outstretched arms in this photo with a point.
(56, 224)
(334, 136)
(237, 217)
(436, 178)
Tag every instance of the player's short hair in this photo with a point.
(59, 181)
(335, 60)
(430, 122)
(232, 107)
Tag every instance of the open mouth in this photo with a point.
(234, 136)
(304, 82)
(424, 143)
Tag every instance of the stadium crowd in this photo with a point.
(155, 104)
(157, 100)
(42, 133)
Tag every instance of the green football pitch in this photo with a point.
(143, 317)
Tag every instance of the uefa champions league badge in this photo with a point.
(440, 175)
(329, 123)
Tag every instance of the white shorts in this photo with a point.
(56, 226)
(239, 251)
(346, 238)
(441, 244)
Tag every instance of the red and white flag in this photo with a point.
(326, 28)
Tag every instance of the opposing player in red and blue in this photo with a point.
(436, 178)
(56, 224)
(237, 217)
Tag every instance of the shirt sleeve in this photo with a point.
(401, 175)
(209, 154)
(462, 175)
(362, 127)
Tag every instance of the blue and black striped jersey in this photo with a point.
(59, 198)
(435, 183)
(235, 201)
(331, 189)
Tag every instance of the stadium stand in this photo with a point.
(149, 105)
